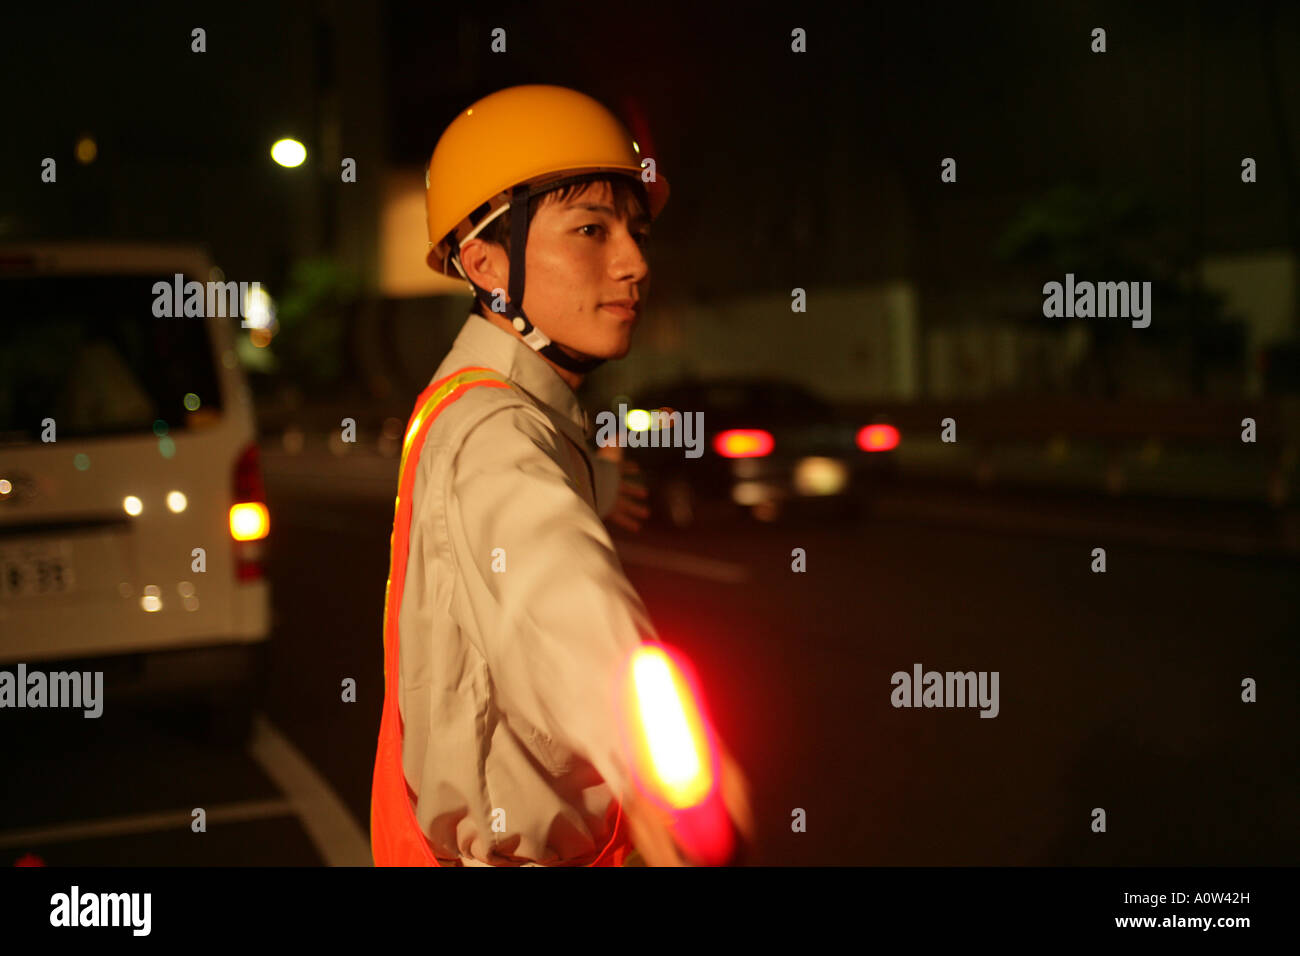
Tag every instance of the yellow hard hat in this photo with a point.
(524, 134)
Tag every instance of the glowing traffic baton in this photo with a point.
(674, 751)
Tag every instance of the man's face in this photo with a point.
(581, 258)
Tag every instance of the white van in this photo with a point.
(153, 458)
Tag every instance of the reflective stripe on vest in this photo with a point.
(395, 835)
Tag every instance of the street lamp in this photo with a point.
(289, 153)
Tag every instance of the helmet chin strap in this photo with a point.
(534, 337)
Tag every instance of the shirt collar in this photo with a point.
(497, 349)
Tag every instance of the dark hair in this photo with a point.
(629, 196)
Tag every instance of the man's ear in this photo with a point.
(486, 264)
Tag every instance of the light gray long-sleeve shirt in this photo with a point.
(510, 658)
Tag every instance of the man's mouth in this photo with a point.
(625, 309)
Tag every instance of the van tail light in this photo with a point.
(250, 521)
(743, 443)
(878, 438)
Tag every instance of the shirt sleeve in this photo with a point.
(562, 618)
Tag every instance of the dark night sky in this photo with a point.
(825, 164)
(754, 139)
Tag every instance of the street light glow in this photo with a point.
(289, 152)
(259, 310)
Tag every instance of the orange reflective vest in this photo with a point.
(395, 836)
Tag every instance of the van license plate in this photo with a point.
(35, 570)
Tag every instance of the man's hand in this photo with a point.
(651, 831)
(652, 826)
(628, 510)
(735, 795)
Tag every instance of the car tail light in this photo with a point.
(250, 521)
(743, 443)
(878, 438)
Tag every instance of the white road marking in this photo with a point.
(324, 816)
(308, 797)
(710, 569)
(146, 823)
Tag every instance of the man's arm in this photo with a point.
(560, 621)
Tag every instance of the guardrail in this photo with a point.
(1277, 420)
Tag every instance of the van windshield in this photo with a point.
(88, 352)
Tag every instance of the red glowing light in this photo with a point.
(675, 759)
(743, 443)
(878, 437)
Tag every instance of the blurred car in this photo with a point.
(153, 457)
(767, 446)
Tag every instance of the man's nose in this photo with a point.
(629, 261)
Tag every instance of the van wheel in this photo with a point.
(227, 721)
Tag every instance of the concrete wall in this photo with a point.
(851, 344)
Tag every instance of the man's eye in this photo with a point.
(641, 237)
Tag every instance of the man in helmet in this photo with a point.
(508, 619)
